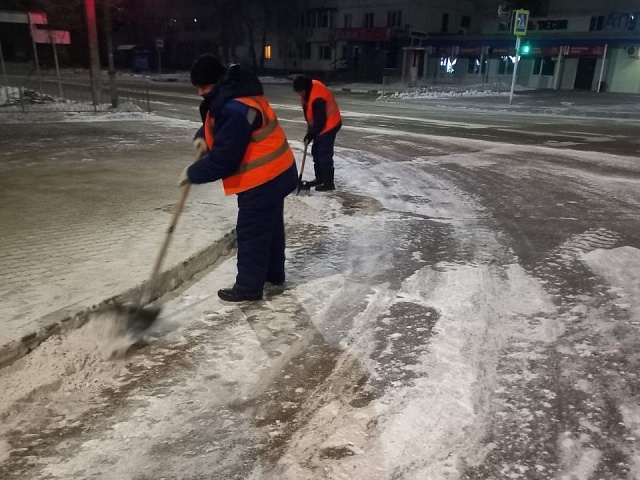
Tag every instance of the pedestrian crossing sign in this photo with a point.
(520, 22)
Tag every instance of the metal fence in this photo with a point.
(71, 92)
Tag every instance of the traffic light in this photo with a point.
(525, 49)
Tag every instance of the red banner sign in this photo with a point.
(589, 50)
(374, 34)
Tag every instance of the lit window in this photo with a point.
(506, 64)
(267, 52)
(448, 64)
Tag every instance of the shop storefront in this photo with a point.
(596, 53)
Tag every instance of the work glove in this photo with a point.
(308, 138)
(200, 148)
(184, 178)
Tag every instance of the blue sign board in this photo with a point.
(520, 22)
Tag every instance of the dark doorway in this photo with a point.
(584, 75)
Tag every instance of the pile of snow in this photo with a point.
(274, 80)
(7, 94)
(447, 91)
(31, 100)
(11, 96)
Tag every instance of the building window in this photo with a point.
(324, 19)
(367, 21)
(319, 18)
(348, 20)
(444, 28)
(306, 51)
(543, 66)
(465, 21)
(506, 65)
(324, 52)
(394, 19)
(596, 23)
(448, 64)
(474, 65)
(267, 52)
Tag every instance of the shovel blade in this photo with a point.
(138, 318)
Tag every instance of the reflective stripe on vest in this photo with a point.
(319, 90)
(268, 153)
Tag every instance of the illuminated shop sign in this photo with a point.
(549, 25)
(620, 21)
(613, 21)
(373, 34)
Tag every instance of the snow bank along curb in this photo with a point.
(64, 320)
(374, 91)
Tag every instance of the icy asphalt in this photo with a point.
(453, 311)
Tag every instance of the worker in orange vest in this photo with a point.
(242, 143)
(323, 123)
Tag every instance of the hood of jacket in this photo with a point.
(237, 82)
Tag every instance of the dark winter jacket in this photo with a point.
(232, 133)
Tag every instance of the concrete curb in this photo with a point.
(63, 320)
(360, 90)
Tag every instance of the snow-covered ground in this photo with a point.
(459, 309)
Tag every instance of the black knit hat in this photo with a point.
(206, 70)
(302, 83)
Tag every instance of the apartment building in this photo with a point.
(368, 38)
(588, 45)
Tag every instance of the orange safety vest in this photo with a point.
(268, 153)
(319, 90)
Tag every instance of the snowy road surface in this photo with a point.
(458, 309)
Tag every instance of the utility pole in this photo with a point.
(4, 72)
(92, 30)
(108, 27)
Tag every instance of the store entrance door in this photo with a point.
(584, 75)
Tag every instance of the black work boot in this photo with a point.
(327, 177)
(272, 289)
(232, 295)
(317, 181)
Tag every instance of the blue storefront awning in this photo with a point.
(538, 41)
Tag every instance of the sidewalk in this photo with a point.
(84, 208)
(525, 101)
(560, 103)
(540, 102)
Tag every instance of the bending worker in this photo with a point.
(241, 142)
(324, 120)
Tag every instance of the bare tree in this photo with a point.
(250, 14)
(227, 20)
(281, 19)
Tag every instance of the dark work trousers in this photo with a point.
(322, 149)
(261, 244)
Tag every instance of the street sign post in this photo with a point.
(520, 22)
(159, 48)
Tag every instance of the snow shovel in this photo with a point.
(139, 316)
(304, 158)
